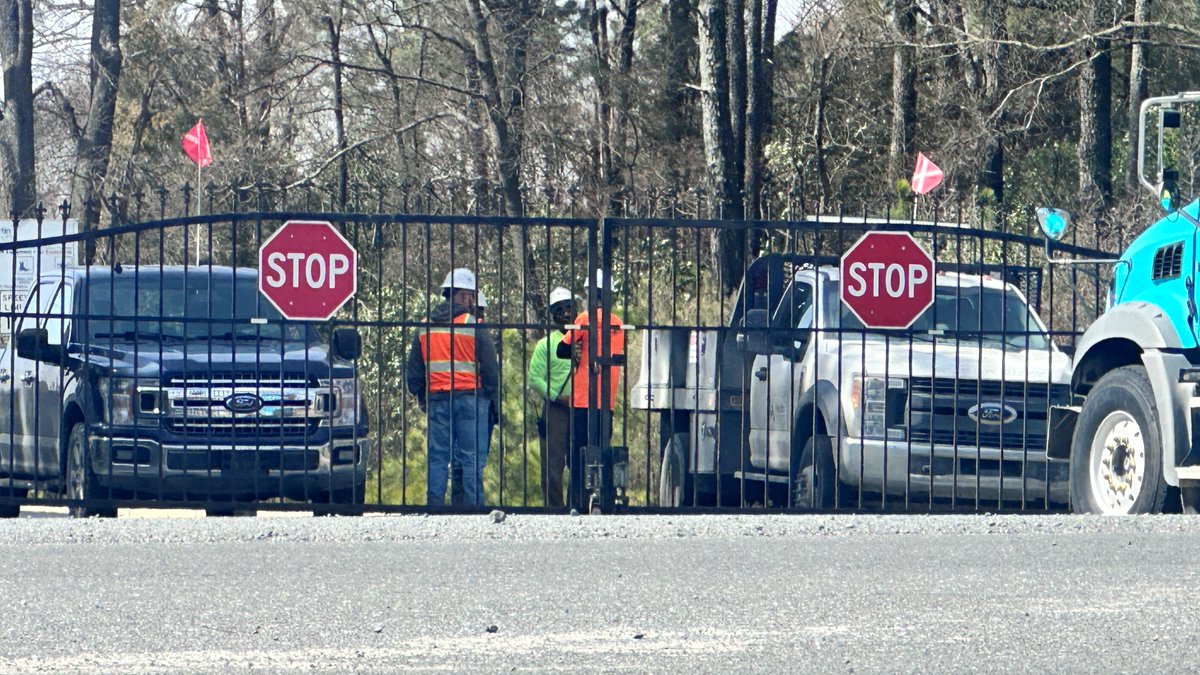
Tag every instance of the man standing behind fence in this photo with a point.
(550, 378)
(587, 378)
(456, 474)
(452, 370)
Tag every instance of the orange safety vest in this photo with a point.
(584, 377)
(449, 353)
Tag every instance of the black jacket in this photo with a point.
(485, 357)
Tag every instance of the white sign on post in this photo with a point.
(20, 268)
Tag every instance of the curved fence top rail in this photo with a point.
(813, 223)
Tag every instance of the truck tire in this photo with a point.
(11, 510)
(79, 482)
(1116, 454)
(814, 476)
(674, 480)
(355, 496)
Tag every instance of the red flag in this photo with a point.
(926, 176)
(195, 144)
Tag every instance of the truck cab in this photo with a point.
(176, 383)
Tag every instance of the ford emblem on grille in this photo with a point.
(992, 413)
(244, 403)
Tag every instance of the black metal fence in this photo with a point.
(160, 374)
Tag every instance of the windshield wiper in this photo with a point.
(232, 336)
(136, 336)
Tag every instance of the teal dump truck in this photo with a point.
(1132, 434)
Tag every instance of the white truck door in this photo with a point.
(21, 389)
(51, 379)
(776, 377)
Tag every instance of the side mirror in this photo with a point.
(1054, 222)
(347, 344)
(783, 343)
(758, 322)
(1168, 118)
(34, 344)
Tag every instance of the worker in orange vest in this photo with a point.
(453, 372)
(576, 344)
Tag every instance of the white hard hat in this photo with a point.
(480, 299)
(560, 294)
(461, 279)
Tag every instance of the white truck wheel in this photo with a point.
(1116, 454)
(814, 476)
(79, 481)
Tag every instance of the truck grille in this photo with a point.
(244, 428)
(250, 460)
(938, 412)
(293, 405)
(204, 378)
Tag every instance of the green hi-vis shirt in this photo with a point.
(549, 374)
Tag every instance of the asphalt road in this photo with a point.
(691, 593)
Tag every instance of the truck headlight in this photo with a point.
(878, 404)
(346, 402)
(128, 401)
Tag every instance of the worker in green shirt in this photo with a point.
(550, 378)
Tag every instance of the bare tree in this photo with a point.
(16, 111)
(904, 89)
(1094, 146)
(724, 107)
(95, 136)
(613, 160)
(1138, 87)
(339, 113)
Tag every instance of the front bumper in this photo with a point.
(147, 468)
(947, 471)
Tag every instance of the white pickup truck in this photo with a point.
(955, 407)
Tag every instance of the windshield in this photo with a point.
(968, 313)
(217, 306)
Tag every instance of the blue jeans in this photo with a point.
(456, 473)
(458, 428)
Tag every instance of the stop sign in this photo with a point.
(887, 279)
(307, 270)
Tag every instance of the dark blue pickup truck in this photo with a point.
(176, 383)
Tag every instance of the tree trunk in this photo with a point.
(995, 61)
(822, 96)
(339, 121)
(730, 244)
(622, 157)
(267, 66)
(385, 60)
(904, 91)
(16, 113)
(504, 140)
(679, 42)
(478, 161)
(759, 98)
(95, 143)
(598, 28)
(1095, 181)
(735, 14)
(1139, 89)
(505, 102)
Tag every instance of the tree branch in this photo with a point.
(64, 103)
(338, 155)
